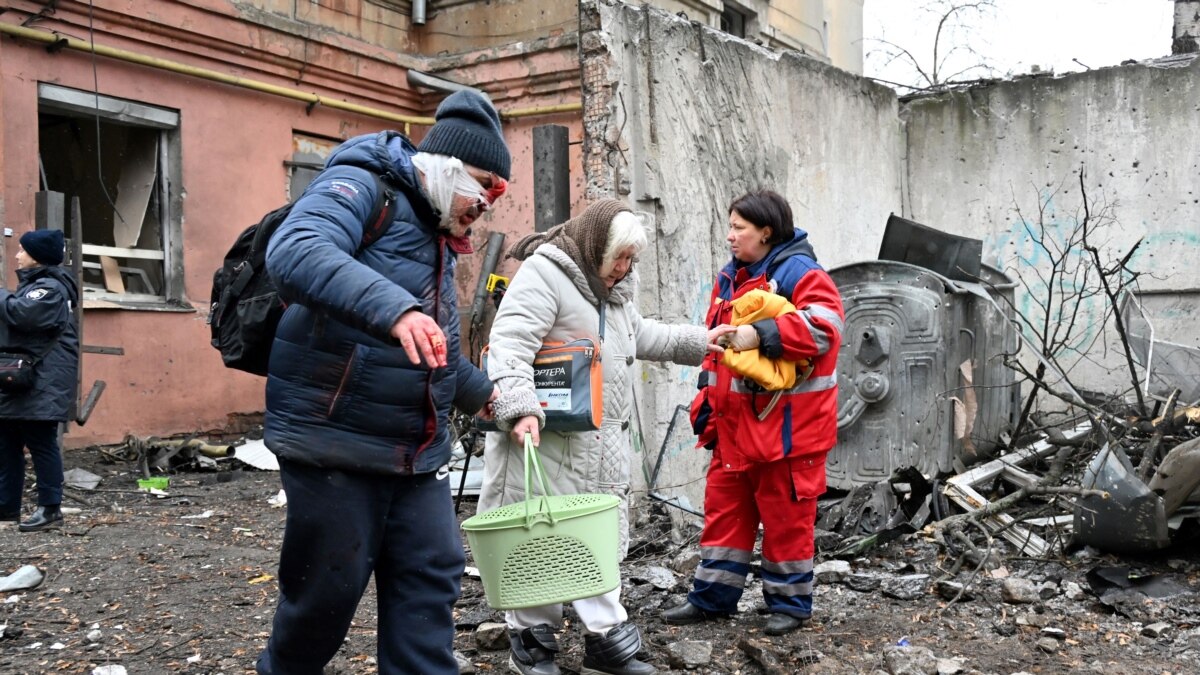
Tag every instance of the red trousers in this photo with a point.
(782, 496)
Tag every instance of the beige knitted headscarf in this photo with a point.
(582, 238)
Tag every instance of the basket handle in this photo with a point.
(533, 464)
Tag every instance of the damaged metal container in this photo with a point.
(1130, 517)
(908, 332)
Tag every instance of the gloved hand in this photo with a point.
(745, 339)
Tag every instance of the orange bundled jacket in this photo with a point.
(770, 374)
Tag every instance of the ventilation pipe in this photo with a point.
(417, 78)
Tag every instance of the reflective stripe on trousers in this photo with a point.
(735, 502)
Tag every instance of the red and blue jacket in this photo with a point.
(726, 412)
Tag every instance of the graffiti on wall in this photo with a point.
(1055, 273)
(1059, 276)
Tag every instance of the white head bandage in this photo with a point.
(446, 177)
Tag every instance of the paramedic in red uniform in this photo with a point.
(768, 461)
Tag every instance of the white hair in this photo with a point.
(627, 229)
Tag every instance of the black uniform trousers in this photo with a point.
(41, 437)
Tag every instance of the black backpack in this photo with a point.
(246, 307)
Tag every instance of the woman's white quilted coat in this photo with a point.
(549, 300)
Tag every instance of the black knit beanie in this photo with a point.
(44, 246)
(468, 127)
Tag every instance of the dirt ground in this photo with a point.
(184, 584)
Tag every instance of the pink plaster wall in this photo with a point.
(234, 143)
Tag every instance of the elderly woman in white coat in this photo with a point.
(555, 296)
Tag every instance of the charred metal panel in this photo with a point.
(907, 331)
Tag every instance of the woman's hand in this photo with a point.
(717, 339)
(527, 425)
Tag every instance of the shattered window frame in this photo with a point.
(132, 218)
(734, 20)
(309, 153)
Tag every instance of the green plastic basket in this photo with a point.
(547, 549)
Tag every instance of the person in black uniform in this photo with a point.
(37, 320)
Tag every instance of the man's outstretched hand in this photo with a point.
(422, 339)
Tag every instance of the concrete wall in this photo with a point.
(680, 119)
(977, 157)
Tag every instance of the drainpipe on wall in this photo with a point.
(418, 12)
(1187, 27)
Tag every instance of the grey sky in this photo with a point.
(1021, 34)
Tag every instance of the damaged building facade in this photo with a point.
(199, 117)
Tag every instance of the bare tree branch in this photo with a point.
(952, 49)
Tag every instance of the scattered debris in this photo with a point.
(256, 454)
(689, 654)
(961, 488)
(491, 636)
(1130, 517)
(764, 655)
(909, 659)
(1178, 474)
(81, 479)
(27, 576)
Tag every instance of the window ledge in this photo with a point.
(140, 305)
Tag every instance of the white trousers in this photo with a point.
(599, 614)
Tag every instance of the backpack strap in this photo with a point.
(382, 213)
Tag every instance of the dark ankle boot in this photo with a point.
(615, 653)
(782, 624)
(687, 614)
(533, 650)
(44, 518)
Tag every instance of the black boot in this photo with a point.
(615, 653)
(44, 518)
(533, 650)
(782, 624)
(688, 614)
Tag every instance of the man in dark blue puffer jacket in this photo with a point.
(365, 367)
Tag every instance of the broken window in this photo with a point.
(308, 158)
(733, 20)
(120, 158)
